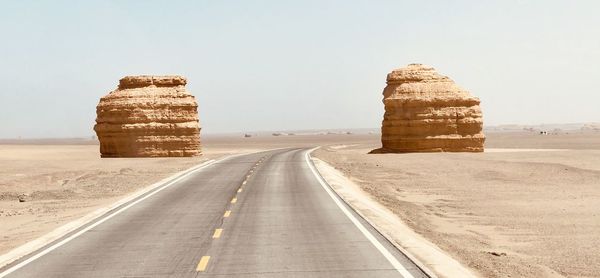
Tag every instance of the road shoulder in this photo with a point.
(424, 253)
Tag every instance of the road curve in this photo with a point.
(264, 214)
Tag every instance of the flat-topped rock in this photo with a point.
(140, 81)
(428, 112)
(148, 116)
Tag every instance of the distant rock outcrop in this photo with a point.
(428, 112)
(148, 116)
(591, 126)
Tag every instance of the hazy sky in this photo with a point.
(278, 65)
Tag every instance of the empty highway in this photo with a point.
(257, 215)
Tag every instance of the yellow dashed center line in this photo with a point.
(203, 263)
(217, 233)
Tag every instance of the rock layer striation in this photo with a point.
(428, 112)
(148, 116)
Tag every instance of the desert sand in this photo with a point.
(527, 213)
(505, 213)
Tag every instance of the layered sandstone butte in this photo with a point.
(148, 116)
(428, 112)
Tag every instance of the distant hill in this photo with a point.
(544, 127)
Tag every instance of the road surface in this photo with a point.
(258, 215)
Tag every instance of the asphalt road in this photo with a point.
(258, 215)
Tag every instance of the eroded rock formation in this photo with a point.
(148, 116)
(428, 112)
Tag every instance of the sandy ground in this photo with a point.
(532, 213)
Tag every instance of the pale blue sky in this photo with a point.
(280, 65)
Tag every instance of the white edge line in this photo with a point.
(46, 239)
(403, 250)
(395, 263)
(157, 187)
(98, 222)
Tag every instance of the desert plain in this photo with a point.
(527, 207)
